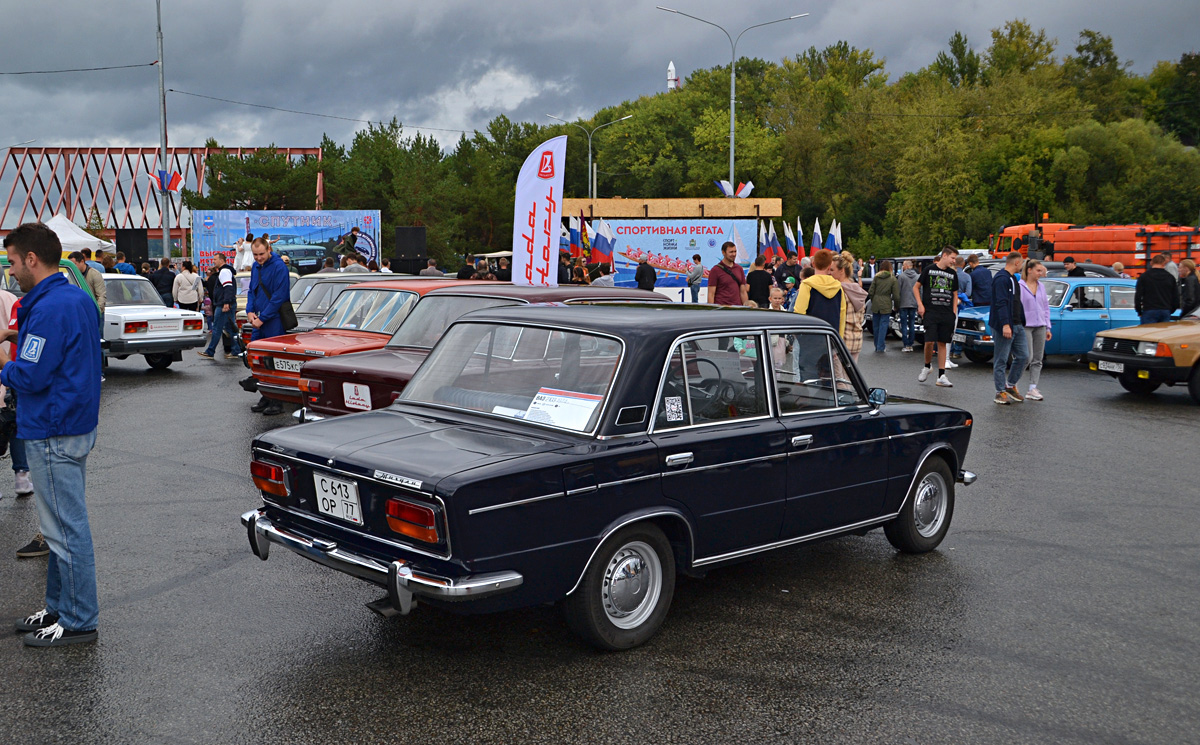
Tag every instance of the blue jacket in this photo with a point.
(981, 286)
(56, 373)
(1006, 308)
(270, 277)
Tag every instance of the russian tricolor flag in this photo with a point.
(166, 181)
(606, 240)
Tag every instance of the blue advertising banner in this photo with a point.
(306, 237)
(669, 246)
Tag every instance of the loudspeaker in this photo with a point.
(132, 243)
(410, 244)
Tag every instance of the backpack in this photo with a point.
(828, 309)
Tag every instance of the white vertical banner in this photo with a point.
(537, 216)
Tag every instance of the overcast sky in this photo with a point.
(456, 64)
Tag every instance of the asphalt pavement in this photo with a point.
(1061, 607)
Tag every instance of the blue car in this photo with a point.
(1079, 308)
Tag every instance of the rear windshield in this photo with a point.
(434, 314)
(131, 292)
(380, 311)
(320, 296)
(562, 379)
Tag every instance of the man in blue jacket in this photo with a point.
(57, 378)
(1007, 319)
(269, 288)
(224, 302)
(981, 282)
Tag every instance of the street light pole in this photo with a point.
(591, 179)
(732, 72)
(164, 195)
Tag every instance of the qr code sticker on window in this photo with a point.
(674, 408)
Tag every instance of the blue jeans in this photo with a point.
(16, 447)
(58, 467)
(1019, 346)
(695, 293)
(879, 328)
(221, 320)
(908, 326)
(1154, 316)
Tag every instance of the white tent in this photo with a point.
(74, 238)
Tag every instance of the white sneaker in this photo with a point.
(944, 382)
(1034, 394)
(24, 483)
(950, 364)
(924, 375)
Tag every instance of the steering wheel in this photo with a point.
(705, 393)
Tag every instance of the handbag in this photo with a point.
(287, 314)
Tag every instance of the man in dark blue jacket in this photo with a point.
(981, 282)
(1007, 319)
(57, 378)
(269, 288)
(224, 303)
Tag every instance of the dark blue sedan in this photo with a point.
(587, 455)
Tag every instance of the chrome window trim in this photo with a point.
(792, 541)
(683, 471)
(630, 521)
(662, 377)
(631, 480)
(565, 329)
(445, 513)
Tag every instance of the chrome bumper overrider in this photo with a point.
(303, 415)
(399, 577)
(966, 478)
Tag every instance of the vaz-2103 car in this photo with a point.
(586, 455)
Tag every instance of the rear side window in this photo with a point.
(1122, 297)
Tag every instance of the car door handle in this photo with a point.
(679, 459)
(802, 441)
(1104, 315)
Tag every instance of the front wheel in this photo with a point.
(925, 516)
(977, 357)
(159, 361)
(1139, 386)
(626, 590)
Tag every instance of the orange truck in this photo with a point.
(1132, 245)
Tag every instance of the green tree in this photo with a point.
(266, 179)
(1017, 49)
(1181, 101)
(961, 66)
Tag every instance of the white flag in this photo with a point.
(537, 212)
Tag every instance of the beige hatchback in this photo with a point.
(1143, 358)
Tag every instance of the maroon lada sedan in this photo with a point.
(372, 380)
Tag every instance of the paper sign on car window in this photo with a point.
(568, 409)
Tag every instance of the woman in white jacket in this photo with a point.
(188, 289)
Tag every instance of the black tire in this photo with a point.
(980, 358)
(1138, 385)
(1194, 384)
(595, 613)
(924, 518)
(159, 361)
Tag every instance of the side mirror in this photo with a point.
(877, 397)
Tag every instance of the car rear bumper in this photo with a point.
(401, 578)
(280, 392)
(1158, 369)
(152, 346)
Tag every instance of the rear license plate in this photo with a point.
(338, 498)
(959, 338)
(1117, 367)
(163, 326)
(286, 365)
(356, 396)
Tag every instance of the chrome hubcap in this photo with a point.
(929, 504)
(632, 585)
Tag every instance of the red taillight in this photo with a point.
(136, 327)
(196, 324)
(309, 385)
(413, 520)
(257, 359)
(269, 478)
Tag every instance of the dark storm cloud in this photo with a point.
(455, 64)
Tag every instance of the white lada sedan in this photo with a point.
(137, 322)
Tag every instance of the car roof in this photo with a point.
(633, 321)
(421, 286)
(124, 277)
(559, 294)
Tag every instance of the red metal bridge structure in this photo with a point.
(112, 181)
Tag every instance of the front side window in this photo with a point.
(1055, 292)
(380, 311)
(811, 374)
(131, 292)
(713, 379)
(1087, 297)
(473, 368)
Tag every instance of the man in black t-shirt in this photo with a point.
(760, 283)
(937, 304)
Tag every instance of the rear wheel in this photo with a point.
(1138, 385)
(626, 590)
(159, 361)
(977, 356)
(925, 516)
